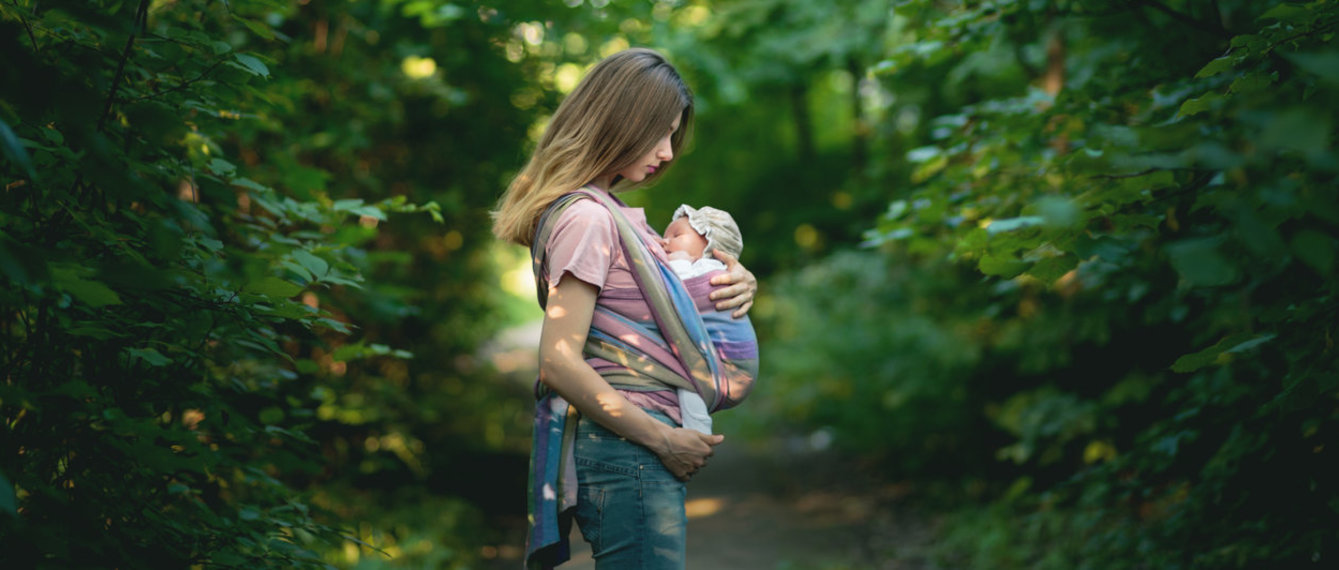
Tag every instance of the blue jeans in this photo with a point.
(630, 508)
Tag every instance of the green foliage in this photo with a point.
(1160, 206)
(853, 348)
(161, 294)
(1140, 364)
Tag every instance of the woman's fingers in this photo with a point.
(742, 286)
(688, 451)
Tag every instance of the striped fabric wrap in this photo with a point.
(687, 344)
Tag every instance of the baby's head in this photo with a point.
(697, 232)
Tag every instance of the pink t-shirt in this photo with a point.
(585, 244)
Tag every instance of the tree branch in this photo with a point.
(26, 26)
(1130, 175)
(141, 21)
(182, 85)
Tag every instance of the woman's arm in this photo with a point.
(742, 286)
(564, 370)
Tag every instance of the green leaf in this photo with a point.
(210, 244)
(1290, 13)
(1251, 83)
(92, 293)
(150, 356)
(221, 167)
(1217, 66)
(257, 28)
(1002, 265)
(1011, 224)
(317, 266)
(1301, 129)
(347, 204)
(1314, 249)
(370, 211)
(274, 287)
(1324, 65)
(9, 503)
(1058, 211)
(349, 352)
(1052, 268)
(1217, 354)
(1198, 105)
(271, 415)
(288, 310)
(253, 64)
(14, 151)
(21, 263)
(250, 184)
(1199, 262)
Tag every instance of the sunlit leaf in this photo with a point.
(1012, 224)
(317, 266)
(253, 64)
(14, 151)
(274, 287)
(1214, 354)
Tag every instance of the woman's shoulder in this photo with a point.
(586, 206)
(582, 225)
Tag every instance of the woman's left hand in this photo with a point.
(742, 286)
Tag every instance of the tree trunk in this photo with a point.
(860, 127)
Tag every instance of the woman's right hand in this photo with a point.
(684, 451)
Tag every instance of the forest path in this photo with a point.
(772, 505)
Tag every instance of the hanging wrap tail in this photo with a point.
(696, 364)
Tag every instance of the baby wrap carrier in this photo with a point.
(704, 352)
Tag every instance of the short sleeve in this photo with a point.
(582, 243)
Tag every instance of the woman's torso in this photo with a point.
(585, 243)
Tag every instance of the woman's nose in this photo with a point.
(665, 151)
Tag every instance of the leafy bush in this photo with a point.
(1167, 228)
(853, 347)
(156, 295)
(1148, 191)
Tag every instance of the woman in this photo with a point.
(619, 129)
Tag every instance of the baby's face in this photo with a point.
(680, 236)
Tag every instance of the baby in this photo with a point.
(690, 237)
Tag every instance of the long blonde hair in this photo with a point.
(615, 116)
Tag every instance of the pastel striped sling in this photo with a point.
(701, 360)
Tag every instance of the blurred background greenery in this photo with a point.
(1064, 267)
